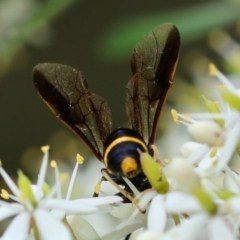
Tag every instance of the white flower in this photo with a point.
(37, 209)
(193, 210)
(200, 220)
(218, 141)
(156, 218)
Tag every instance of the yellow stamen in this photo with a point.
(53, 164)
(167, 161)
(175, 116)
(45, 149)
(80, 158)
(4, 194)
(215, 162)
(212, 70)
(213, 152)
(222, 86)
(64, 177)
(0, 162)
(186, 118)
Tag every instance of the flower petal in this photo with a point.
(232, 205)
(9, 182)
(99, 200)
(184, 177)
(196, 156)
(145, 234)
(207, 132)
(18, 228)
(229, 182)
(69, 206)
(82, 229)
(177, 202)
(59, 214)
(50, 227)
(9, 210)
(189, 148)
(188, 230)
(219, 229)
(157, 216)
(145, 199)
(229, 147)
(117, 234)
(123, 210)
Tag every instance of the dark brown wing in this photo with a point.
(153, 66)
(65, 91)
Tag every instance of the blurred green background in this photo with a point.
(97, 37)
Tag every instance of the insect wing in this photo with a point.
(153, 64)
(65, 91)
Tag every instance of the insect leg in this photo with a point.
(156, 155)
(97, 188)
(122, 191)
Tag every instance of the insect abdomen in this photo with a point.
(120, 155)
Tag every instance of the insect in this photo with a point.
(65, 91)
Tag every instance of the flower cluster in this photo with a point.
(41, 212)
(193, 196)
(197, 195)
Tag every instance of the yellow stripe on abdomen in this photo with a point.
(121, 140)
